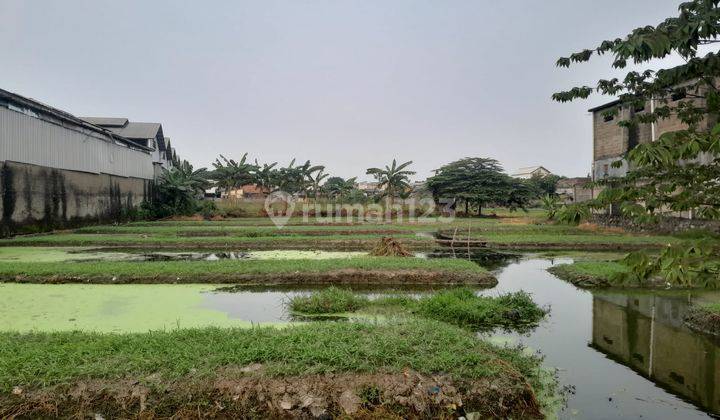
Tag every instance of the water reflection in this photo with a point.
(646, 333)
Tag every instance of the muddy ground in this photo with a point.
(246, 393)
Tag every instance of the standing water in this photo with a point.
(626, 353)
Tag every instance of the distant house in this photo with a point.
(574, 189)
(248, 191)
(142, 133)
(530, 171)
(369, 188)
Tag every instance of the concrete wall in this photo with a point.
(36, 198)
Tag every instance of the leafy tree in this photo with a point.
(393, 180)
(265, 176)
(336, 187)
(178, 189)
(666, 174)
(230, 174)
(544, 185)
(297, 179)
(551, 204)
(479, 181)
(316, 180)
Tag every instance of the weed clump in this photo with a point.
(332, 300)
(463, 307)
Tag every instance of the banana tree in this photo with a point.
(392, 179)
(230, 174)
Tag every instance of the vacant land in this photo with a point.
(515, 231)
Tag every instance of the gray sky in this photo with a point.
(348, 84)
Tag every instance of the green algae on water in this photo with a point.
(108, 308)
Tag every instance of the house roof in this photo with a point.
(128, 129)
(570, 182)
(529, 170)
(37, 106)
(138, 130)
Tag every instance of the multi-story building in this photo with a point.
(611, 141)
(58, 170)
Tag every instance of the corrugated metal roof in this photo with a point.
(37, 106)
(106, 122)
(137, 130)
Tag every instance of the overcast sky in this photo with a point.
(348, 84)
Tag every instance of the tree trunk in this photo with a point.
(479, 209)
(467, 208)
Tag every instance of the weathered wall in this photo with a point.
(37, 198)
(665, 225)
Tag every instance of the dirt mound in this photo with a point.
(246, 393)
(390, 247)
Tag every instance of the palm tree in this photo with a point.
(179, 186)
(316, 180)
(392, 180)
(231, 174)
(337, 187)
(265, 176)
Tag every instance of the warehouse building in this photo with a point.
(59, 170)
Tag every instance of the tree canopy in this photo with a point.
(479, 181)
(667, 174)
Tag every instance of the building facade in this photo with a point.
(58, 170)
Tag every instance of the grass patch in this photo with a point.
(459, 306)
(332, 300)
(226, 270)
(463, 307)
(589, 273)
(39, 360)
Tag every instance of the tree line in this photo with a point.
(474, 183)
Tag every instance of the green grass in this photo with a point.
(207, 269)
(38, 360)
(463, 307)
(332, 300)
(456, 306)
(589, 273)
(97, 240)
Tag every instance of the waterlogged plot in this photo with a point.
(134, 308)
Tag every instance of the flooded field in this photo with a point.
(623, 354)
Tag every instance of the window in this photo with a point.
(678, 95)
(608, 117)
(640, 108)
